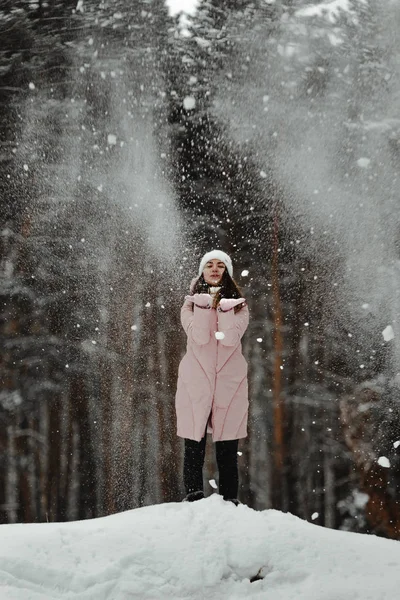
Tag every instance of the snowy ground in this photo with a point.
(204, 550)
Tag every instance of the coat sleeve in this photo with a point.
(232, 325)
(196, 323)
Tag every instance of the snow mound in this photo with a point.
(207, 549)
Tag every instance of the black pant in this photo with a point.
(226, 453)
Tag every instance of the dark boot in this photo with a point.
(193, 496)
(228, 468)
(193, 465)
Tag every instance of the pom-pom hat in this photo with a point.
(219, 255)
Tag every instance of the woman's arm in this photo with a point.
(232, 325)
(196, 323)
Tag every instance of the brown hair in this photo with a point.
(229, 289)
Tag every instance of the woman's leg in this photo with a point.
(193, 465)
(228, 468)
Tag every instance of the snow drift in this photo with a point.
(208, 549)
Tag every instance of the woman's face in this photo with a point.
(213, 271)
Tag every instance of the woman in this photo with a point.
(212, 381)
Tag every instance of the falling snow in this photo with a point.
(388, 333)
(189, 103)
(363, 162)
(383, 461)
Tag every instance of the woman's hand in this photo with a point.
(226, 304)
(201, 300)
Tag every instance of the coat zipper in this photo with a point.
(215, 385)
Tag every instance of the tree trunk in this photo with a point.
(54, 460)
(86, 465)
(169, 464)
(277, 392)
(11, 488)
(106, 441)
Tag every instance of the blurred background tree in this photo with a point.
(131, 143)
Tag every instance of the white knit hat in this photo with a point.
(218, 254)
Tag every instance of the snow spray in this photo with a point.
(315, 95)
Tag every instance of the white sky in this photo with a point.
(176, 6)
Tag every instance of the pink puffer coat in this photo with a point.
(212, 377)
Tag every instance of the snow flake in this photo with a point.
(259, 339)
(388, 333)
(189, 103)
(314, 516)
(134, 327)
(147, 304)
(396, 444)
(26, 168)
(244, 273)
(383, 461)
(111, 139)
(202, 42)
(263, 174)
(239, 453)
(32, 86)
(364, 163)
(219, 335)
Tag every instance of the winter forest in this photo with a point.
(133, 139)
